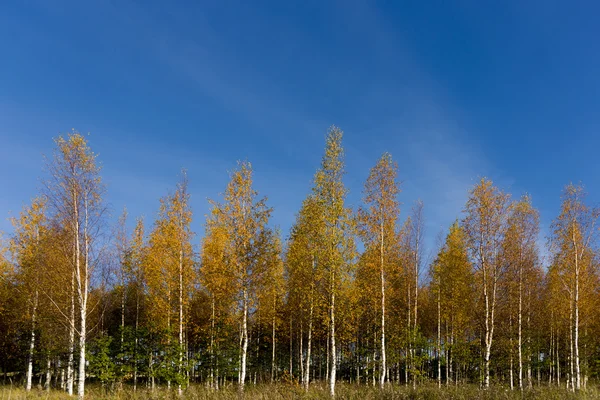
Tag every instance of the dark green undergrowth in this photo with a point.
(317, 391)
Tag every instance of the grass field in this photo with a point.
(281, 391)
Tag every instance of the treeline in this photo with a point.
(347, 295)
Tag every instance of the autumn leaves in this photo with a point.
(246, 306)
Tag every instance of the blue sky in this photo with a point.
(454, 90)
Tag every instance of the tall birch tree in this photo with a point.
(378, 230)
(337, 252)
(74, 192)
(520, 253)
(573, 239)
(27, 244)
(245, 218)
(484, 225)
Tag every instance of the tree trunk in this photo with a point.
(301, 353)
(273, 350)
(308, 347)
(70, 360)
(180, 350)
(122, 323)
(408, 334)
(244, 341)
(416, 309)
(135, 349)
(332, 372)
(439, 341)
(557, 359)
(576, 322)
(520, 328)
(48, 373)
(212, 343)
(31, 343)
(291, 351)
(383, 354)
(82, 287)
(571, 356)
(82, 336)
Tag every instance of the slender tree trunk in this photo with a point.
(557, 359)
(489, 319)
(48, 373)
(439, 340)
(244, 341)
(151, 371)
(122, 324)
(82, 337)
(82, 287)
(383, 353)
(62, 376)
(332, 371)
(70, 364)
(273, 349)
(180, 350)
(417, 262)
(408, 334)
(576, 322)
(328, 358)
(374, 358)
(300, 354)
(511, 351)
(450, 374)
(529, 383)
(135, 348)
(308, 346)
(31, 342)
(520, 328)
(551, 352)
(487, 332)
(212, 342)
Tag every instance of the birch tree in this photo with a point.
(27, 244)
(214, 276)
(378, 229)
(338, 242)
(573, 240)
(304, 271)
(170, 274)
(137, 256)
(417, 231)
(521, 255)
(74, 191)
(452, 284)
(245, 218)
(484, 225)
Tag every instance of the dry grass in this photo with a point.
(318, 391)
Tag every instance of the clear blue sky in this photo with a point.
(454, 90)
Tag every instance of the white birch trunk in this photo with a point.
(70, 366)
(244, 341)
(48, 373)
(308, 347)
(212, 343)
(31, 343)
(332, 371)
(82, 281)
(439, 341)
(520, 328)
(576, 322)
(180, 350)
(273, 350)
(383, 353)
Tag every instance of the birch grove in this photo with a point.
(346, 295)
